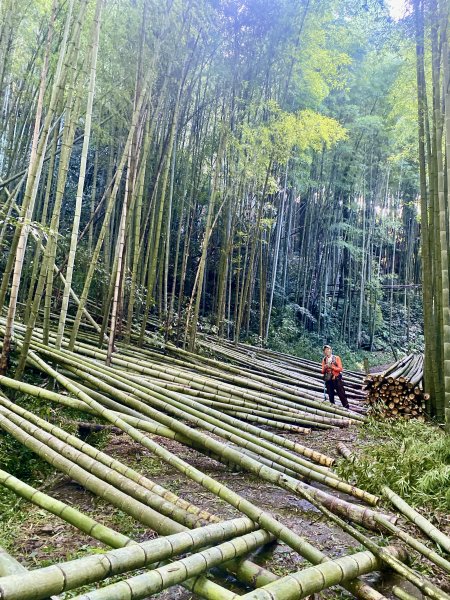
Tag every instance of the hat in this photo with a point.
(326, 346)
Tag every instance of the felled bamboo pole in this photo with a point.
(312, 454)
(71, 515)
(188, 432)
(152, 582)
(322, 475)
(291, 485)
(142, 513)
(301, 418)
(426, 586)
(9, 565)
(122, 483)
(269, 422)
(70, 575)
(402, 594)
(265, 520)
(315, 579)
(422, 523)
(91, 371)
(286, 367)
(173, 375)
(345, 452)
(109, 462)
(432, 556)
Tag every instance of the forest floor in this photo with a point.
(42, 539)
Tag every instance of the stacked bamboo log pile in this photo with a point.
(283, 368)
(398, 391)
(148, 395)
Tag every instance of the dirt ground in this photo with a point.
(41, 539)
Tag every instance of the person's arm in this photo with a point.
(323, 366)
(337, 368)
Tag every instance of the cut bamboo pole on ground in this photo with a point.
(70, 575)
(240, 503)
(421, 522)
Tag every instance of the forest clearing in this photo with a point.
(225, 305)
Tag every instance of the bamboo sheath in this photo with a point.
(265, 520)
(428, 528)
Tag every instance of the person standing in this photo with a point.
(332, 374)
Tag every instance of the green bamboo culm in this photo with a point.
(8, 564)
(265, 519)
(428, 528)
(70, 575)
(71, 515)
(434, 557)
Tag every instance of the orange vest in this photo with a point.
(336, 365)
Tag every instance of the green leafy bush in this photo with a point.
(412, 458)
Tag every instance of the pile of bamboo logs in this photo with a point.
(398, 392)
(287, 370)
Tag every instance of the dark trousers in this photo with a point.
(337, 385)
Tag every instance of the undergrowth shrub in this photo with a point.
(412, 458)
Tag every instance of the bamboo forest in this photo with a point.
(224, 299)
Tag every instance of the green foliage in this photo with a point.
(287, 335)
(281, 134)
(420, 472)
